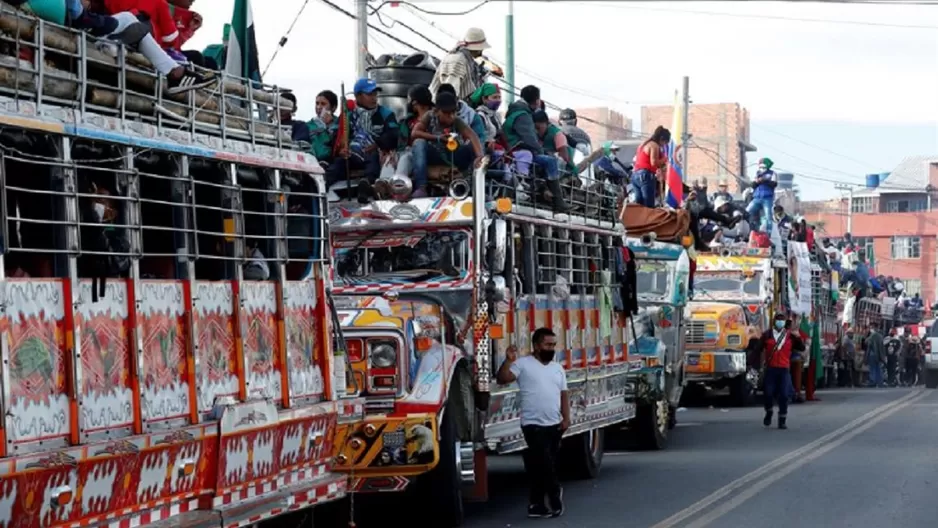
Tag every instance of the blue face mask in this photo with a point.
(493, 105)
(779, 324)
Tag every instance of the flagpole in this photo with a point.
(361, 36)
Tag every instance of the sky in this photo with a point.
(834, 91)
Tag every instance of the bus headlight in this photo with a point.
(382, 354)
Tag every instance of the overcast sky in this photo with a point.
(849, 69)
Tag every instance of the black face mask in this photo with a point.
(546, 355)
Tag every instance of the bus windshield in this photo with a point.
(728, 284)
(401, 258)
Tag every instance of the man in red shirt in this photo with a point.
(777, 344)
(161, 19)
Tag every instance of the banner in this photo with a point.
(799, 278)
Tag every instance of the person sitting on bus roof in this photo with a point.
(520, 134)
(419, 104)
(553, 140)
(576, 135)
(487, 100)
(156, 13)
(299, 130)
(374, 134)
(722, 192)
(459, 67)
(125, 27)
(434, 139)
(465, 112)
(324, 127)
(615, 170)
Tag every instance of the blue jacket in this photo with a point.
(764, 185)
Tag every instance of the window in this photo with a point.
(411, 258)
(651, 279)
(864, 245)
(906, 247)
(862, 205)
(912, 286)
(911, 205)
(728, 285)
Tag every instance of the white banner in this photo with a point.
(799, 278)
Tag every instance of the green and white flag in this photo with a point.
(242, 60)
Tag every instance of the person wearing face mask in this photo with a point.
(763, 194)
(487, 100)
(777, 345)
(545, 415)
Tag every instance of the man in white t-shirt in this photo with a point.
(545, 415)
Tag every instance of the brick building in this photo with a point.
(720, 139)
(897, 222)
(616, 127)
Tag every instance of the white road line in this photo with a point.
(781, 473)
(745, 480)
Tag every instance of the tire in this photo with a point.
(401, 74)
(581, 456)
(651, 426)
(931, 379)
(741, 392)
(442, 485)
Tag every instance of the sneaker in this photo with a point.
(781, 422)
(189, 81)
(767, 421)
(556, 505)
(538, 511)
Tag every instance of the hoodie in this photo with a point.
(471, 118)
(519, 128)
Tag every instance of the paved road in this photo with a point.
(860, 457)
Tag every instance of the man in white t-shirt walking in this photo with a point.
(545, 415)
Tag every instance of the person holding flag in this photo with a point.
(649, 159)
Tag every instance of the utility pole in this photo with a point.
(685, 133)
(361, 37)
(510, 51)
(849, 189)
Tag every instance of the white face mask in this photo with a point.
(99, 210)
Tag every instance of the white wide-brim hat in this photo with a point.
(475, 40)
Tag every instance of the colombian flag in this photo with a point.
(674, 181)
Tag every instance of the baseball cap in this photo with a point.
(365, 85)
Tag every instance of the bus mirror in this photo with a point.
(496, 246)
(496, 290)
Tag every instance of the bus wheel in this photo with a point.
(741, 391)
(443, 484)
(581, 456)
(931, 379)
(651, 423)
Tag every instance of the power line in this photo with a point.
(283, 39)
(372, 26)
(422, 10)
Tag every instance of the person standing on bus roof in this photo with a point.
(545, 415)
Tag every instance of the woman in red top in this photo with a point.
(648, 159)
(777, 344)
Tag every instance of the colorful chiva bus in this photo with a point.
(430, 293)
(165, 331)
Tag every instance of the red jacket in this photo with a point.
(161, 20)
(781, 357)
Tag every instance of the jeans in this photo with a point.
(540, 462)
(425, 155)
(549, 165)
(340, 167)
(876, 373)
(776, 383)
(892, 368)
(645, 187)
(764, 206)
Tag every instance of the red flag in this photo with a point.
(342, 136)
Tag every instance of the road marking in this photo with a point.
(745, 480)
(689, 424)
(755, 489)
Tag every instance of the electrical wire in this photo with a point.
(372, 26)
(285, 37)
(422, 10)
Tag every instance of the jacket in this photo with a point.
(781, 357)
(519, 128)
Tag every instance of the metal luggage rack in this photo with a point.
(592, 202)
(68, 77)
